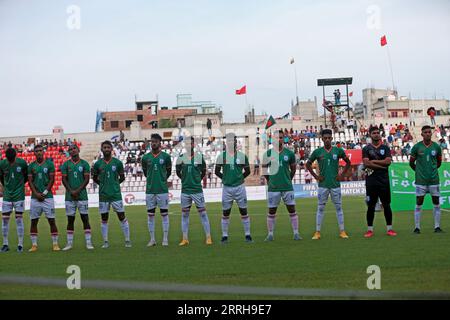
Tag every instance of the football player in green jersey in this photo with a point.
(279, 169)
(157, 167)
(41, 176)
(75, 178)
(329, 180)
(13, 176)
(425, 160)
(191, 168)
(236, 168)
(108, 173)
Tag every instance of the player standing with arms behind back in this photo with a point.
(191, 168)
(13, 175)
(235, 168)
(157, 167)
(41, 176)
(329, 180)
(279, 169)
(108, 173)
(75, 177)
(425, 160)
(377, 159)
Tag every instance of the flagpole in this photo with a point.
(390, 67)
(296, 79)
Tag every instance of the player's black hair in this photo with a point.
(74, 145)
(38, 146)
(373, 128)
(326, 131)
(426, 127)
(156, 136)
(281, 132)
(107, 142)
(10, 154)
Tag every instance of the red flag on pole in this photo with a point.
(350, 94)
(242, 90)
(383, 41)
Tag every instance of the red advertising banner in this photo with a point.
(355, 156)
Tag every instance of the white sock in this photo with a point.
(389, 227)
(205, 221)
(87, 236)
(225, 224)
(34, 238)
(55, 238)
(5, 229)
(105, 230)
(246, 223)
(340, 216)
(165, 224)
(294, 222)
(185, 222)
(437, 216)
(370, 228)
(417, 213)
(319, 216)
(20, 229)
(270, 223)
(151, 225)
(125, 229)
(69, 237)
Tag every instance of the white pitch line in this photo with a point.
(223, 289)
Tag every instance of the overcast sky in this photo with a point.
(51, 74)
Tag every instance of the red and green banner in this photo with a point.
(270, 122)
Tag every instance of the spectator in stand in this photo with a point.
(308, 177)
(257, 164)
(443, 144)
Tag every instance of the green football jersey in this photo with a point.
(278, 169)
(426, 163)
(155, 169)
(328, 165)
(233, 166)
(15, 176)
(75, 173)
(191, 172)
(40, 174)
(109, 173)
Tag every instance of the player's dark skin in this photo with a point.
(107, 156)
(75, 193)
(327, 138)
(179, 166)
(11, 156)
(377, 164)
(39, 153)
(231, 145)
(278, 137)
(156, 149)
(426, 135)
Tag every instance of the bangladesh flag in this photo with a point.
(270, 122)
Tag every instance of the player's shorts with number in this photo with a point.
(71, 207)
(37, 207)
(423, 190)
(323, 193)
(274, 198)
(230, 194)
(116, 205)
(153, 200)
(18, 206)
(197, 198)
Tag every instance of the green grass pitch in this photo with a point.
(408, 262)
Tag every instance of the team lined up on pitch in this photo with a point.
(232, 166)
